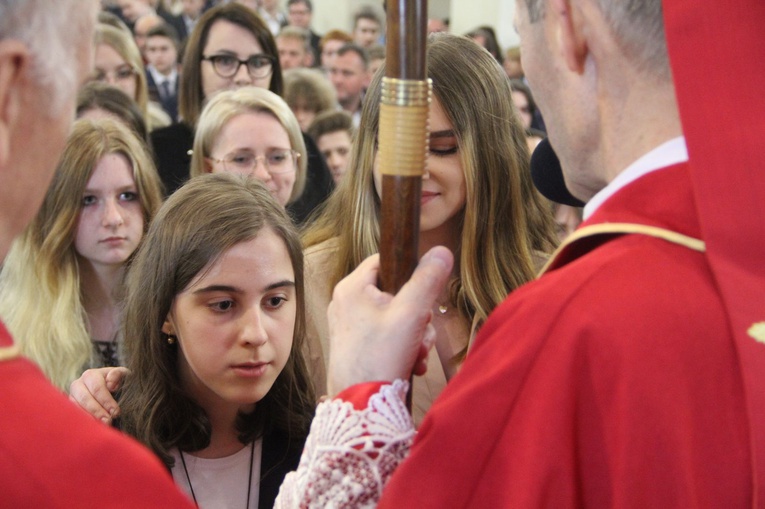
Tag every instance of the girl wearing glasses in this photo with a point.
(229, 48)
(253, 132)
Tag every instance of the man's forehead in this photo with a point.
(146, 23)
(339, 66)
(291, 45)
(367, 24)
(159, 40)
(350, 58)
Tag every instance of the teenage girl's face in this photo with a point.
(443, 185)
(110, 225)
(111, 68)
(256, 134)
(226, 38)
(235, 323)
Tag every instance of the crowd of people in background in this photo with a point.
(106, 278)
(320, 72)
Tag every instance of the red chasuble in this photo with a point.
(633, 373)
(54, 455)
(612, 381)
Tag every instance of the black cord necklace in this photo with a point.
(249, 477)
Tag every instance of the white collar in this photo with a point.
(668, 153)
(160, 78)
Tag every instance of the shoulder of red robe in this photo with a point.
(723, 114)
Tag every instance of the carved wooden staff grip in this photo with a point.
(403, 140)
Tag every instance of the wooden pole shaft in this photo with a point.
(405, 39)
(399, 232)
(403, 140)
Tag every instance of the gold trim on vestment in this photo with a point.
(757, 332)
(9, 352)
(641, 229)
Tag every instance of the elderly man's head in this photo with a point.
(45, 54)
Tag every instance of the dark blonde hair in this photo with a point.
(190, 95)
(41, 298)
(102, 96)
(309, 89)
(330, 122)
(198, 223)
(504, 219)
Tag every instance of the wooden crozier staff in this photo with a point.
(403, 141)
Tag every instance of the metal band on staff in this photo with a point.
(404, 126)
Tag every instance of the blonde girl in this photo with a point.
(60, 284)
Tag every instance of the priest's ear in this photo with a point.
(571, 21)
(14, 62)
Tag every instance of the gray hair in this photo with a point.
(53, 32)
(637, 25)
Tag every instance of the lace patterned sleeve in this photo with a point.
(350, 454)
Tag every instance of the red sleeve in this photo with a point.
(358, 395)
(52, 454)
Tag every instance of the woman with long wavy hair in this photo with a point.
(478, 200)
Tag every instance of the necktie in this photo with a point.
(165, 87)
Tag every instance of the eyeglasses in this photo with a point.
(226, 66)
(276, 162)
(121, 73)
